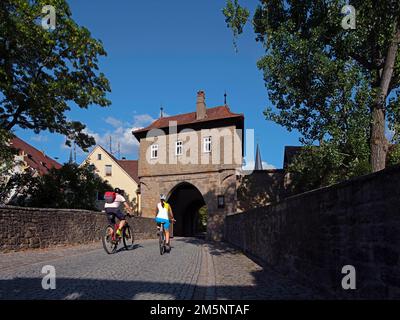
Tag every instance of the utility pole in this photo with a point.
(110, 146)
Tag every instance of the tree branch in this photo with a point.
(364, 62)
(389, 64)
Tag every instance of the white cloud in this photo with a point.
(250, 166)
(79, 151)
(142, 120)
(267, 165)
(122, 133)
(114, 122)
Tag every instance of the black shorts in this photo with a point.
(114, 212)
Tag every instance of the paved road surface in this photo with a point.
(193, 270)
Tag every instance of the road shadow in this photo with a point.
(267, 277)
(264, 285)
(134, 247)
(215, 248)
(100, 289)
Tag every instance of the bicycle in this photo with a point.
(111, 240)
(161, 238)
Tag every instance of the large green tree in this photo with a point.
(329, 83)
(44, 72)
(71, 187)
(7, 164)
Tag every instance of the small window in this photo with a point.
(108, 170)
(207, 144)
(178, 148)
(99, 156)
(154, 151)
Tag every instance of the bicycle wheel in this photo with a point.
(161, 241)
(128, 237)
(109, 244)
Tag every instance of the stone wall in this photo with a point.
(311, 236)
(212, 173)
(226, 153)
(27, 228)
(209, 184)
(260, 188)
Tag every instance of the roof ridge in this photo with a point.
(118, 162)
(109, 153)
(189, 118)
(186, 113)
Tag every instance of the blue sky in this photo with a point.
(162, 53)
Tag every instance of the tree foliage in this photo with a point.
(6, 153)
(315, 167)
(235, 18)
(44, 72)
(334, 86)
(70, 187)
(7, 163)
(203, 218)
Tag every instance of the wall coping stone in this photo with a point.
(339, 185)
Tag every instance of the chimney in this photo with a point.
(200, 105)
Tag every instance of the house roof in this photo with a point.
(34, 158)
(216, 113)
(129, 166)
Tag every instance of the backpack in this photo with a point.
(110, 196)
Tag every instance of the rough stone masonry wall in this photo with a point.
(28, 228)
(260, 188)
(311, 236)
(209, 184)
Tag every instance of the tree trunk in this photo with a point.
(378, 140)
(379, 143)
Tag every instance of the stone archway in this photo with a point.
(186, 200)
(209, 185)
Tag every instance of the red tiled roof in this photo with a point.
(33, 157)
(216, 113)
(130, 167)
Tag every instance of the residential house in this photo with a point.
(121, 174)
(28, 160)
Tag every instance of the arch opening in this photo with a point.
(189, 209)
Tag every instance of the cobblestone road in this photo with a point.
(193, 270)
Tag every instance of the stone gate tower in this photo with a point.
(192, 158)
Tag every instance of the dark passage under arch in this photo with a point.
(186, 200)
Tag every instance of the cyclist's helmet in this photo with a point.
(117, 190)
(163, 197)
